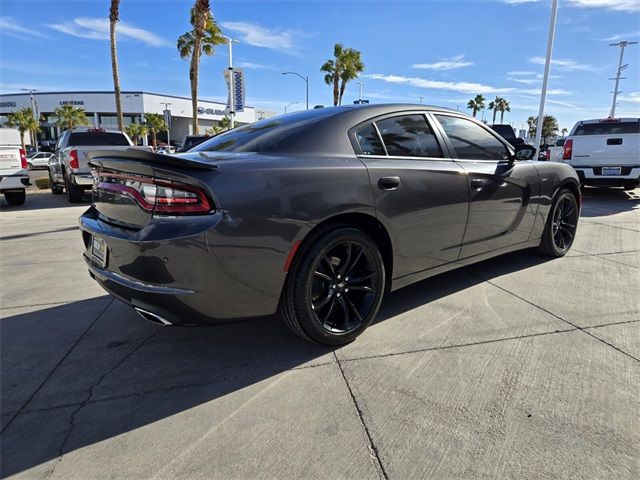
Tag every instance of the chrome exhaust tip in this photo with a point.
(152, 317)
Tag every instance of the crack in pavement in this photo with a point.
(582, 329)
(66, 355)
(608, 225)
(373, 450)
(86, 401)
(602, 256)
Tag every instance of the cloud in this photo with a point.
(258, 36)
(445, 64)
(254, 66)
(633, 97)
(462, 87)
(618, 5)
(10, 26)
(564, 65)
(98, 29)
(621, 36)
(521, 73)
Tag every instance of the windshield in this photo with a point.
(607, 128)
(86, 139)
(265, 135)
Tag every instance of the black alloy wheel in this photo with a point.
(334, 290)
(562, 225)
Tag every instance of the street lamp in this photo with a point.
(232, 90)
(306, 80)
(167, 120)
(285, 108)
(34, 112)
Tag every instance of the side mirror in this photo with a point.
(525, 152)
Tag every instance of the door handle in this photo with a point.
(478, 183)
(389, 183)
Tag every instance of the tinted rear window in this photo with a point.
(505, 131)
(266, 135)
(191, 142)
(607, 128)
(90, 139)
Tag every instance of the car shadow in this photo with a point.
(601, 202)
(43, 200)
(126, 373)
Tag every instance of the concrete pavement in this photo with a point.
(517, 367)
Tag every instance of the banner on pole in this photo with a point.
(167, 118)
(235, 98)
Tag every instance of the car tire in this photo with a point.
(74, 193)
(15, 198)
(55, 189)
(29, 166)
(562, 223)
(335, 286)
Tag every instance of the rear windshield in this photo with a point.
(265, 135)
(87, 139)
(505, 131)
(607, 128)
(191, 142)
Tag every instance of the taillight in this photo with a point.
(155, 195)
(567, 151)
(73, 159)
(548, 153)
(23, 159)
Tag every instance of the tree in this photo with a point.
(503, 106)
(154, 123)
(222, 126)
(564, 132)
(69, 117)
(345, 66)
(114, 17)
(476, 104)
(136, 131)
(549, 127)
(202, 39)
(495, 106)
(23, 120)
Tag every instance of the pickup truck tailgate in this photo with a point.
(609, 142)
(10, 159)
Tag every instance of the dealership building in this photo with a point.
(100, 109)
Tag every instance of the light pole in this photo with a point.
(547, 67)
(621, 67)
(306, 80)
(421, 99)
(232, 92)
(34, 113)
(285, 108)
(167, 120)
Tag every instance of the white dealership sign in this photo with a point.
(236, 98)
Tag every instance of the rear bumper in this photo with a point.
(14, 182)
(592, 175)
(192, 270)
(83, 180)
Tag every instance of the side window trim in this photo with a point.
(384, 147)
(452, 150)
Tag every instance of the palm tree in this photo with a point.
(549, 126)
(495, 106)
(23, 120)
(114, 17)
(345, 66)
(202, 39)
(476, 104)
(135, 131)
(532, 122)
(154, 123)
(564, 131)
(70, 117)
(503, 106)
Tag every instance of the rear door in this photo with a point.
(418, 190)
(501, 211)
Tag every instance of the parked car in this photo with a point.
(166, 150)
(14, 176)
(318, 213)
(39, 160)
(68, 168)
(508, 133)
(605, 152)
(554, 153)
(191, 141)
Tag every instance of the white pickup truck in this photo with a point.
(68, 167)
(14, 176)
(605, 153)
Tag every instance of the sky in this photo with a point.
(445, 51)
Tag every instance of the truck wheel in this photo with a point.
(74, 193)
(15, 198)
(55, 189)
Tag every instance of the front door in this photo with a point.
(419, 192)
(502, 193)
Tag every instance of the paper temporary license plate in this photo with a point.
(611, 170)
(99, 251)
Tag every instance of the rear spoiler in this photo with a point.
(150, 158)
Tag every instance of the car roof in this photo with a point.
(600, 120)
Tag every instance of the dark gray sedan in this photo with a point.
(317, 214)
